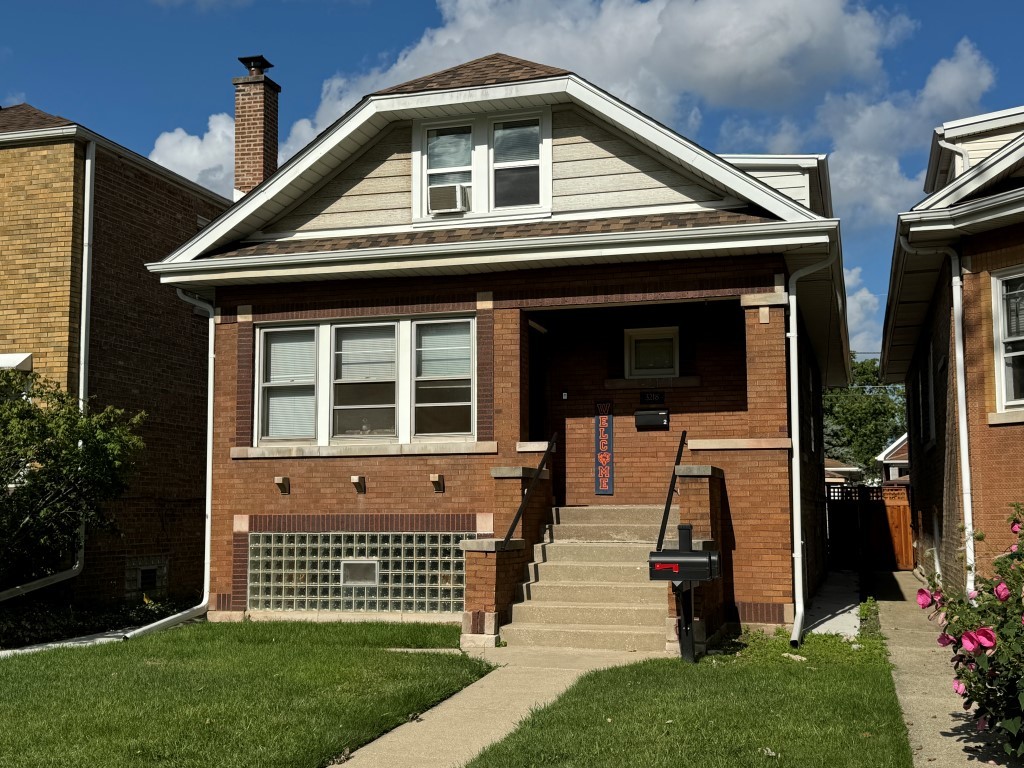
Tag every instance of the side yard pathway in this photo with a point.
(942, 735)
(457, 730)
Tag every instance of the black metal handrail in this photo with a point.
(529, 490)
(671, 493)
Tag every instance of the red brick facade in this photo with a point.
(732, 385)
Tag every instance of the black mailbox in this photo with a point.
(651, 420)
(675, 565)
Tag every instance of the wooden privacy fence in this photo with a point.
(869, 528)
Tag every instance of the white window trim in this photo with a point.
(632, 334)
(482, 169)
(998, 278)
(324, 381)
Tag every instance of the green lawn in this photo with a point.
(254, 694)
(837, 709)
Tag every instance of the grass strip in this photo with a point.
(752, 707)
(251, 694)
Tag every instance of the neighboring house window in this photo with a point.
(652, 352)
(487, 167)
(1010, 340)
(384, 381)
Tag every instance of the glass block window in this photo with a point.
(357, 572)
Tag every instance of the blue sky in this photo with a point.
(864, 82)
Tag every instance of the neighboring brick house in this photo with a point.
(894, 462)
(70, 197)
(466, 264)
(954, 334)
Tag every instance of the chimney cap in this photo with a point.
(255, 64)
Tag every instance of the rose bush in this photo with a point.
(985, 632)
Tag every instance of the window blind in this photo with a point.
(289, 356)
(289, 411)
(365, 353)
(449, 147)
(442, 350)
(516, 141)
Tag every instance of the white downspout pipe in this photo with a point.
(965, 156)
(794, 435)
(201, 607)
(88, 206)
(967, 498)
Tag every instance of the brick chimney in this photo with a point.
(256, 98)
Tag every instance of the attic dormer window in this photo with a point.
(490, 165)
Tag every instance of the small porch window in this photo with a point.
(652, 352)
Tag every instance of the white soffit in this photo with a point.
(19, 361)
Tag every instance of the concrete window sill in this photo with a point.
(378, 449)
(1006, 417)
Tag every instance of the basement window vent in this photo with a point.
(147, 579)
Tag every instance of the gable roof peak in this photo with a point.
(25, 117)
(487, 70)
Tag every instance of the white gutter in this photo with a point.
(967, 500)
(88, 206)
(200, 608)
(799, 579)
(964, 154)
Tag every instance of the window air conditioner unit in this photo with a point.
(448, 198)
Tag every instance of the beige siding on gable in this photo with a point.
(594, 168)
(793, 184)
(982, 145)
(374, 190)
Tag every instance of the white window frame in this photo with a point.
(630, 335)
(482, 180)
(260, 385)
(1000, 339)
(324, 382)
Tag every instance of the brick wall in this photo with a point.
(40, 256)
(739, 360)
(148, 352)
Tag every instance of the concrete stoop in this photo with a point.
(588, 584)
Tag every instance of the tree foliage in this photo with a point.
(58, 465)
(864, 418)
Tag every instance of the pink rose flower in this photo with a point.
(1022, 620)
(969, 640)
(973, 594)
(945, 639)
(1015, 527)
(982, 724)
(986, 637)
(1002, 591)
(958, 687)
(924, 598)
(1013, 547)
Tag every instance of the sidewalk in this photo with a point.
(457, 730)
(942, 735)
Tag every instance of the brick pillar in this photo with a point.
(700, 504)
(256, 97)
(765, 320)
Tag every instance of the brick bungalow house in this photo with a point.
(463, 266)
(953, 334)
(80, 216)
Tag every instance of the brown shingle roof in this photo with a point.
(25, 117)
(469, 234)
(488, 70)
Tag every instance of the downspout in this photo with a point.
(936, 540)
(964, 154)
(967, 499)
(88, 206)
(794, 436)
(200, 608)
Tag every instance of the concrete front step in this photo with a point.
(653, 593)
(596, 637)
(623, 615)
(592, 552)
(598, 532)
(642, 515)
(606, 573)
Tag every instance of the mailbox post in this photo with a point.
(683, 567)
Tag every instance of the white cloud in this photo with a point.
(862, 314)
(208, 160)
(665, 57)
(869, 137)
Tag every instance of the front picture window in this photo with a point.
(365, 381)
(288, 384)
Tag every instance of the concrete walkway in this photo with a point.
(942, 735)
(457, 730)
